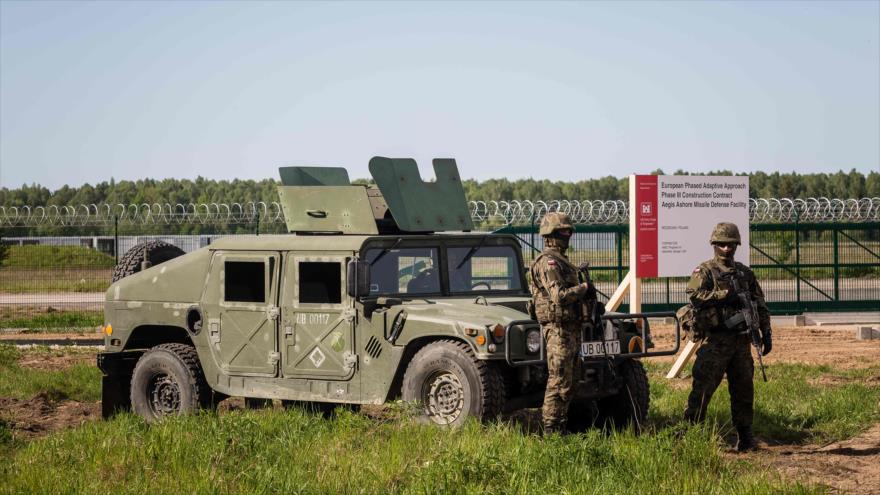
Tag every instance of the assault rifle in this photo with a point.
(591, 312)
(748, 314)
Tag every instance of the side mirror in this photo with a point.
(357, 279)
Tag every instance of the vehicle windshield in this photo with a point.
(468, 270)
(482, 269)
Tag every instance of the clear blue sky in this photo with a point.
(562, 91)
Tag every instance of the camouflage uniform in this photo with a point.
(557, 297)
(725, 351)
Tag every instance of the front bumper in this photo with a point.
(516, 355)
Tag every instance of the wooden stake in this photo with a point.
(617, 298)
(635, 284)
(686, 353)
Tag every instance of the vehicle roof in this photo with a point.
(289, 241)
(281, 242)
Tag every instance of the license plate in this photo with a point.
(600, 348)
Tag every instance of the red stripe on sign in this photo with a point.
(646, 226)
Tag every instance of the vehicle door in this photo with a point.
(241, 301)
(317, 327)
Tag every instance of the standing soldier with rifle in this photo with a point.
(729, 307)
(557, 298)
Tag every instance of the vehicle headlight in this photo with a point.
(533, 341)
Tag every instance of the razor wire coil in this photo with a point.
(503, 212)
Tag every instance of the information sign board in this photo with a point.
(672, 217)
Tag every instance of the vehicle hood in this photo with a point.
(461, 311)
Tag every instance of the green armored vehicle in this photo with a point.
(378, 293)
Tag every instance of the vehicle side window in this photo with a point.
(320, 282)
(412, 270)
(245, 281)
(417, 274)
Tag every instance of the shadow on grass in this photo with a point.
(776, 429)
(772, 428)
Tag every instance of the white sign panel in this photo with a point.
(674, 216)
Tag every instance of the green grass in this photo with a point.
(55, 321)
(41, 256)
(800, 403)
(54, 279)
(293, 452)
(43, 268)
(281, 451)
(81, 382)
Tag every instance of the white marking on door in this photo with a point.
(317, 357)
(312, 318)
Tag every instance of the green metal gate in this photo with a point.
(801, 266)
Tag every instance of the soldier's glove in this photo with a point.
(731, 296)
(584, 276)
(588, 289)
(766, 341)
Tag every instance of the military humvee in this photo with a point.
(378, 292)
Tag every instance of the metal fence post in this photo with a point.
(797, 259)
(834, 241)
(532, 239)
(619, 236)
(116, 238)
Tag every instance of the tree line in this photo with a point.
(840, 184)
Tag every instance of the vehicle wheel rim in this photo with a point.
(164, 395)
(443, 396)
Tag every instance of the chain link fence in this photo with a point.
(810, 255)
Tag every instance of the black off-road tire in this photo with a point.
(630, 405)
(450, 384)
(157, 251)
(167, 381)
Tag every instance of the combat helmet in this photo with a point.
(554, 221)
(725, 232)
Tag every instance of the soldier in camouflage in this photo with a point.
(727, 349)
(557, 297)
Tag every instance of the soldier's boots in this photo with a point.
(559, 428)
(746, 441)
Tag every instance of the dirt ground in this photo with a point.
(55, 360)
(42, 415)
(835, 346)
(850, 466)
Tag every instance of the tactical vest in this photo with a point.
(545, 310)
(711, 318)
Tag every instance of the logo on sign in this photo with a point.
(646, 208)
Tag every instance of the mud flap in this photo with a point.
(116, 382)
(115, 395)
